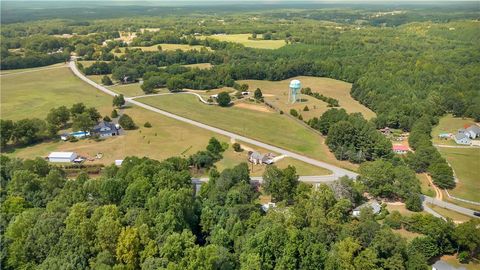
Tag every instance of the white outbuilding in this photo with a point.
(62, 156)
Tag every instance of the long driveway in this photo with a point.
(337, 172)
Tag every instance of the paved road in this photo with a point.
(337, 171)
(456, 146)
(449, 206)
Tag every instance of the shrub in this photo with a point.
(223, 99)
(306, 109)
(258, 94)
(126, 122)
(281, 112)
(294, 113)
(147, 125)
(114, 114)
(106, 80)
(107, 119)
(463, 257)
(237, 147)
(300, 117)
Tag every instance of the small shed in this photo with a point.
(118, 162)
(62, 156)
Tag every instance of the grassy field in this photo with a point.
(200, 65)
(26, 70)
(425, 185)
(243, 39)
(263, 126)
(165, 47)
(33, 94)
(406, 234)
(457, 217)
(466, 163)
(276, 93)
(449, 124)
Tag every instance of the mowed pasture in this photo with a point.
(449, 124)
(465, 163)
(33, 94)
(272, 128)
(276, 93)
(247, 42)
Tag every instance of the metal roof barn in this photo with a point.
(62, 156)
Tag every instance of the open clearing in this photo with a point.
(252, 43)
(425, 185)
(466, 163)
(33, 94)
(272, 128)
(449, 124)
(253, 107)
(453, 261)
(276, 93)
(165, 47)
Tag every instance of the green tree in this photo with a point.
(106, 80)
(126, 122)
(128, 247)
(258, 95)
(224, 99)
(214, 146)
(6, 131)
(114, 114)
(77, 109)
(118, 101)
(83, 122)
(58, 117)
(27, 131)
(281, 184)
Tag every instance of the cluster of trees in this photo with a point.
(351, 137)
(206, 159)
(97, 68)
(145, 215)
(426, 157)
(331, 101)
(31, 59)
(28, 131)
(385, 179)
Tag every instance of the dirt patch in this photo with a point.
(253, 107)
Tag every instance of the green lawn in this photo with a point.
(449, 124)
(425, 185)
(33, 94)
(268, 127)
(466, 163)
(244, 39)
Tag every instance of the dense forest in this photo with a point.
(145, 214)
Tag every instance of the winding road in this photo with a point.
(337, 171)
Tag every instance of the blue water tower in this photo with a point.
(295, 86)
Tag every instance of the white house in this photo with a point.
(462, 138)
(257, 158)
(62, 156)
(374, 205)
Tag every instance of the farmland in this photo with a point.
(33, 94)
(465, 162)
(252, 43)
(276, 93)
(261, 126)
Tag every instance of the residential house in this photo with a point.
(62, 156)
(105, 129)
(473, 131)
(400, 149)
(386, 131)
(462, 138)
(374, 205)
(267, 206)
(257, 158)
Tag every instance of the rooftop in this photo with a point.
(61, 154)
(400, 148)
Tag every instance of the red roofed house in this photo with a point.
(400, 149)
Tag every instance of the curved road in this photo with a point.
(337, 171)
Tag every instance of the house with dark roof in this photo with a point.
(105, 129)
